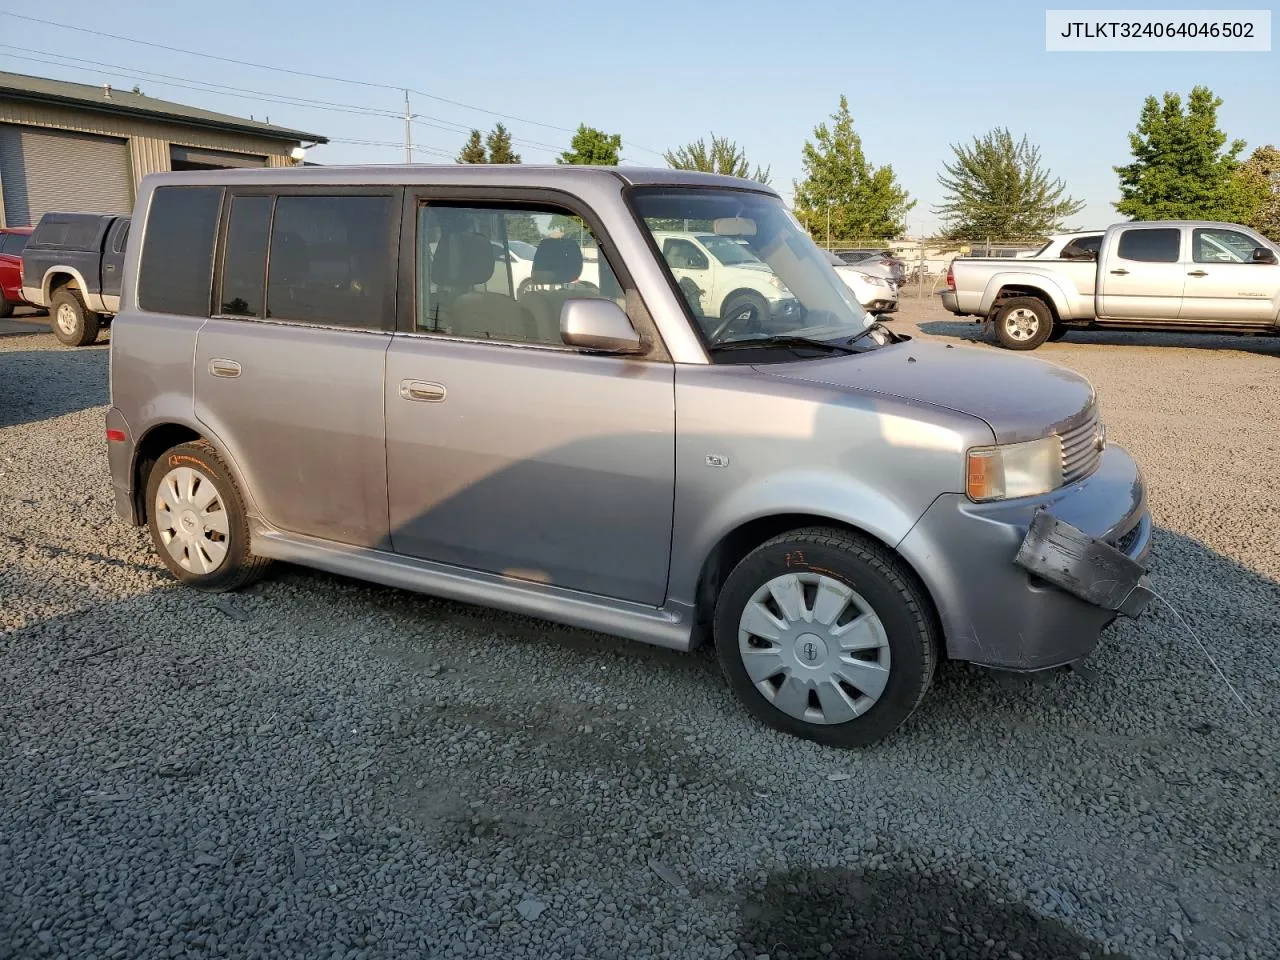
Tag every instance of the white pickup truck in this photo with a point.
(1153, 275)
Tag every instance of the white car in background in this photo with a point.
(870, 285)
(722, 279)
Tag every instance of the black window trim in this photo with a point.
(420, 195)
(390, 307)
(1178, 256)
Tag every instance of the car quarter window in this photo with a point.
(1216, 245)
(12, 243)
(1150, 245)
(504, 271)
(176, 269)
(330, 260)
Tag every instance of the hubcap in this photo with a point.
(1021, 324)
(814, 648)
(192, 520)
(66, 319)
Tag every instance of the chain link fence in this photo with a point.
(925, 259)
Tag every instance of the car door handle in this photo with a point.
(1121, 272)
(109, 267)
(224, 368)
(1198, 273)
(422, 390)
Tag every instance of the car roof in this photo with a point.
(465, 174)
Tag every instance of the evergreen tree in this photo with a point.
(859, 199)
(723, 156)
(499, 144)
(592, 146)
(1183, 168)
(473, 150)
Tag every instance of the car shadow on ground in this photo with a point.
(894, 913)
(43, 384)
(975, 332)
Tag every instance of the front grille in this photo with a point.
(1081, 450)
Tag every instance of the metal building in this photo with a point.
(76, 147)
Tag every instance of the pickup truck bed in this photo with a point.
(72, 265)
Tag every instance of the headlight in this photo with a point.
(870, 278)
(777, 284)
(1014, 469)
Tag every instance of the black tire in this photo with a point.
(1058, 332)
(6, 308)
(744, 310)
(1023, 323)
(887, 588)
(525, 286)
(238, 567)
(81, 324)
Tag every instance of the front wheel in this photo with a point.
(1023, 323)
(74, 324)
(742, 311)
(823, 634)
(197, 520)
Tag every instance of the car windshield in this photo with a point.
(727, 251)
(782, 285)
(522, 249)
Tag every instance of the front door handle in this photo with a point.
(1198, 273)
(422, 390)
(1121, 272)
(224, 368)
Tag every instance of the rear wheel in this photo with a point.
(823, 635)
(6, 307)
(73, 323)
(197, 520)
(1023, 323)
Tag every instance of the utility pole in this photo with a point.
(408, 130)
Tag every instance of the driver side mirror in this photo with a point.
(1264, 255)
(598, 325)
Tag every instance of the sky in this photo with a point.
(919, 76)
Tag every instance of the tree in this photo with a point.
(499, 144)
(1260, 182)
(861, 200)
(723, 156)
(997, 188)
(592, 146)
(473, 150)
(1183, 168)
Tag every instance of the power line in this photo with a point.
(301, 73)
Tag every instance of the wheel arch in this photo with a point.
(57, 277)
(164, 435)
(1003, 287)
(735, 544)
(742, 291)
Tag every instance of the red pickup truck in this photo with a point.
(12, 240)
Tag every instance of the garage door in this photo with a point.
(43, 170)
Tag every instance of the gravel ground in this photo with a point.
(322, 768)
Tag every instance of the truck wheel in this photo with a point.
(1023, 323)
(197, 520)
(742, 311)
(6, 308)
(73, 323)
(822, 635)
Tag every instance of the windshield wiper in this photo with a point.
(784, 342)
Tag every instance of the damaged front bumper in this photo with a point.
(1049, 608)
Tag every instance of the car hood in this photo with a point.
(1019, 398)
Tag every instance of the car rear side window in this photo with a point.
(176, 271)
(331, 261)
(1150, 246)
(244, 265)
(12, 243)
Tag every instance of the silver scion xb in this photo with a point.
(346, 368)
